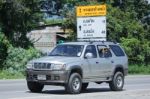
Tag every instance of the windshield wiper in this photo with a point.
(55, 55)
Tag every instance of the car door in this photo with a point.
(105, 61)
(92, 62)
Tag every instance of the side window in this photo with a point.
(117, 50)
(91, 49)
(103, 51)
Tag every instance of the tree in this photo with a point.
(69, 12)
(127, 23)
(17, 18)
(4, 44)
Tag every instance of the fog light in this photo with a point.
(48, 77)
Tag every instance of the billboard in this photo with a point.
(91, 22)
(91, 27)
(96, 10)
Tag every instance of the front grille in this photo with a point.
(42, 66)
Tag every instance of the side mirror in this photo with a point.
(88, 55)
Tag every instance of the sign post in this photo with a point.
(91, 23)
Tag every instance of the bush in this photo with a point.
(5, 74)
(139, 69)
(18, 57)
(134, 50)
(4, 43)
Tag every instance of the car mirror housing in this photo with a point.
(88, 55)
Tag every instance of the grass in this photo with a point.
(133, 69)
(5, 74)
(139, 69)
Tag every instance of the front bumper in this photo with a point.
(52, 77)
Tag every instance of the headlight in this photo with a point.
(58, 66)
(29, 66)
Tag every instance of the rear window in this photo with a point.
(117, 50)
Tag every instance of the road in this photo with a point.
(136, 87)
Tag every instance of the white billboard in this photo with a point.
(91, 28)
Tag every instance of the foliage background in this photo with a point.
(17, 18)
(128, 22)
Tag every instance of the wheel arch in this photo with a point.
(76, 69)
(119, 68)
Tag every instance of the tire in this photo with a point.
(117, 82)
(74, 84)
(84, 86)
(35, 87)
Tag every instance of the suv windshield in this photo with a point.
(67, 50)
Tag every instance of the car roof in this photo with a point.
(95, 43)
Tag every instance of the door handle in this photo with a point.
(97, 62)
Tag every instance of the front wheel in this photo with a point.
(35, 87)
(117, 82)
(75, 84)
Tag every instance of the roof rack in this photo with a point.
(91, 41)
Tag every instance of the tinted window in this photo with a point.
(91, 49)
(67, 50)
(117, 50)
(103, 52)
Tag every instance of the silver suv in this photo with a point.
(75, 64)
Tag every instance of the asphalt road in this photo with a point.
(136, 87)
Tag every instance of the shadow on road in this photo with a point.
(89, 90)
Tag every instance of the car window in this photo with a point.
(117, 50)
(91, 49)
(67, 50)
(103, 51)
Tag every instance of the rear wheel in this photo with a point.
(35, 87)
(75, 84)
(84, 86)
(118, 82)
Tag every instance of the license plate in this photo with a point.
(41, 77)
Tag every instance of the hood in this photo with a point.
(56, 59)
